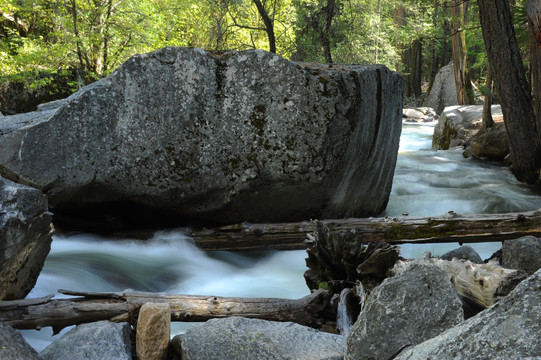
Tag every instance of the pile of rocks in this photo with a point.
(415, 314)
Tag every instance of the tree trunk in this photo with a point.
(534, 20)
(434, 63)
(512, 87)
(464, 89)
(487, 119)
(411, 57)
(310, 310)
(404, 229)
(269, 26)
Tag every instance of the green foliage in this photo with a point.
(96, 36)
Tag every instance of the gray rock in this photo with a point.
(465, 252)
(493, 144)
(507, 330)
(407, 309)
(238, 338)
(419, 115)
(459, 123)
(25, 238)
(13, 346)
(52, 105)
(231, 137)
(93, 341)
(522, 254)
(443, 91)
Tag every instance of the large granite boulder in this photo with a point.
(508, 329)
(404, 310)
(222, 137)
(237, 338)
(443, 91)
(93, 341)
(13, 346)
(522, 254)
(458, 124)
(25, 238)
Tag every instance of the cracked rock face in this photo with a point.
(240, 136)
(25, 238)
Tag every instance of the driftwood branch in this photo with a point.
(482, 284)
(450, 227)
(90, 307)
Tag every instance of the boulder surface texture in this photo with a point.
(93, 341)
(508, 329)
(25, 238)
(223, 137)
(522, 254)
(404, 310)
(13, 346)
(239, 338)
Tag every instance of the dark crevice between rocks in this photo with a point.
(121, 218)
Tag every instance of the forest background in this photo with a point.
(91, 38)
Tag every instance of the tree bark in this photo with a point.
(405, 229)
(487, 119)
(464, 89)
(310, 310)
(512, 87)
(534, 20)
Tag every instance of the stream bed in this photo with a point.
(426, 183)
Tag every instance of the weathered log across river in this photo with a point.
(450, 227)
(311, 310)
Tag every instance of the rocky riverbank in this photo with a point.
(416, 314)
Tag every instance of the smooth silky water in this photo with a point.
(426, 183)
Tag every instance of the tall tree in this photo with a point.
(534, 20)
(269, 24)
(411, 57)
(464, 90)
(513, 89)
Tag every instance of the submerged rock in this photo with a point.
(404, 310)
(507, 330)
(25, 238)
(221, 137)
(238, 338)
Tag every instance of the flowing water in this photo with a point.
(426, 183)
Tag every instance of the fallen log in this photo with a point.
(481, 284)
(450, 227)
(310, 310)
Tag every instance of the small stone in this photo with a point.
(153, 331)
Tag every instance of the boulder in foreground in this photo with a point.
(242, 338)
(507, 330)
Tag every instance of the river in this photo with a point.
(426, 183)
